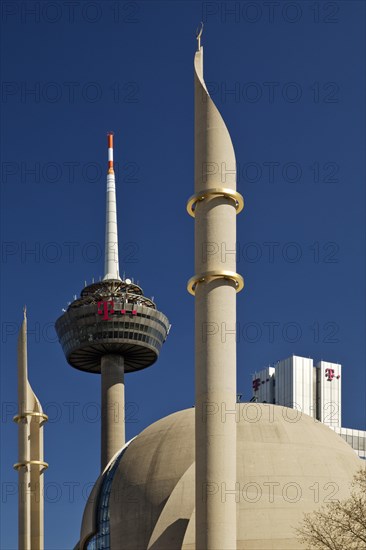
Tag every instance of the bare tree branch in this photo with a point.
(338, 525)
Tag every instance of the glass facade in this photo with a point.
(355, 438)
(143, 333)
(101, 540)
(83, 330)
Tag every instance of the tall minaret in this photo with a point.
(214, 206)
(30, 420)
(112, 329)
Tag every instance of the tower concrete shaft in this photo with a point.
(113, 406)
(31, 465)
(214, 207)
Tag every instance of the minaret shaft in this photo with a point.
(113, 407)
(24, 501)
(31, 465)
(215, 324)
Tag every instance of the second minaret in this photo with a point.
(214, 207)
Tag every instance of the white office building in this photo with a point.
(312, 389)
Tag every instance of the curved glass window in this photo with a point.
(101, 540)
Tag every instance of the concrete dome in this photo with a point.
(287, 464)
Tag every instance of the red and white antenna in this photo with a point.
(111, 262)
(110, 153)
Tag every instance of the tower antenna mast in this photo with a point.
(111, 261)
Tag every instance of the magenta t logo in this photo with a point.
(256, 384)
(103, 309)
(329, 373)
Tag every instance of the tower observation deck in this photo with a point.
(112, 328)
(112, 317)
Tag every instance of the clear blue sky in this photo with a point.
(297, 121)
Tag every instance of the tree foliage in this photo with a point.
(338, 525)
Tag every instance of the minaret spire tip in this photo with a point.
(198, 36)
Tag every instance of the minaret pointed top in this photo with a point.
(111, 263)
(23, 393)
(198, 36)
(213, 146)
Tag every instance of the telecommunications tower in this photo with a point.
(112, 329)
